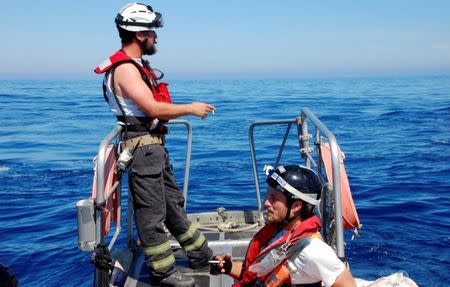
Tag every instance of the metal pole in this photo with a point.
(187, 166)
(283, 144)
(119, 212)
(337, 197)
(255, 171)
(336, 180)
(304, 140)
(99, 199)
(253, 155)
(130, 218)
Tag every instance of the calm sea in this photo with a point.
(395, 133)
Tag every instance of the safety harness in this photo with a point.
(159, 91)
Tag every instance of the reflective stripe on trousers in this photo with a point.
(157, 249)
(161, 263)
(192, 239)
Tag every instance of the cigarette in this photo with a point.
(215, 261)
(213, 112)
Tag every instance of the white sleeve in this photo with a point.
(316, 262)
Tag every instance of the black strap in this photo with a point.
(132, 120)
(117, 100)
(150, 82)
(298, 247)
(138, 24)
(144, 124)
(104, 91)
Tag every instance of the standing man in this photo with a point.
(143, 105)
(288, 249)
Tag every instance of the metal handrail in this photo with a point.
(253, 155)
(302, 127)
(187, 166)
(99, 199)
(336, 167)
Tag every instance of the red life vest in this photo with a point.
(256, 247)
(159, 90)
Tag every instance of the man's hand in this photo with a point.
(201, 110)
(221, 264)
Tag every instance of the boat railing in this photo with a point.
(100, 195)
(321, 132)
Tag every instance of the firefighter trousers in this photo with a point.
(158, 201)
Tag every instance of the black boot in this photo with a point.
(176, 279)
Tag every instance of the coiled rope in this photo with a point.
(228, 227)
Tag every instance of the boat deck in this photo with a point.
(233, 241)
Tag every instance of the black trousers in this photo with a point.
(158, 200)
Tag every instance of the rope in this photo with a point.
(101, 258)
(229, 227)
(103, 264)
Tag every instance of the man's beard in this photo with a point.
(148, 49)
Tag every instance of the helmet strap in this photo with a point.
(288, 219)
(143, 43)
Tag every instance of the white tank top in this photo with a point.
(128, 106)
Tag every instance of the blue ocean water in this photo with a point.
(395, 133)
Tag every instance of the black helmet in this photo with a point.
(296, 182)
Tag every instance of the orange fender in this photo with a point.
(110, 211)
(349, 214)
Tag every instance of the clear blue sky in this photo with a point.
(234, 38)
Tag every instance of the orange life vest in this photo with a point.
(256, 247)
(159, 90)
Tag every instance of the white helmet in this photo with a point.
(137, 17)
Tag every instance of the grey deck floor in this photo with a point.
(220, 242)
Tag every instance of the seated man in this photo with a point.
(288, 249)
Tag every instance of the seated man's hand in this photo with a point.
(221, 264)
